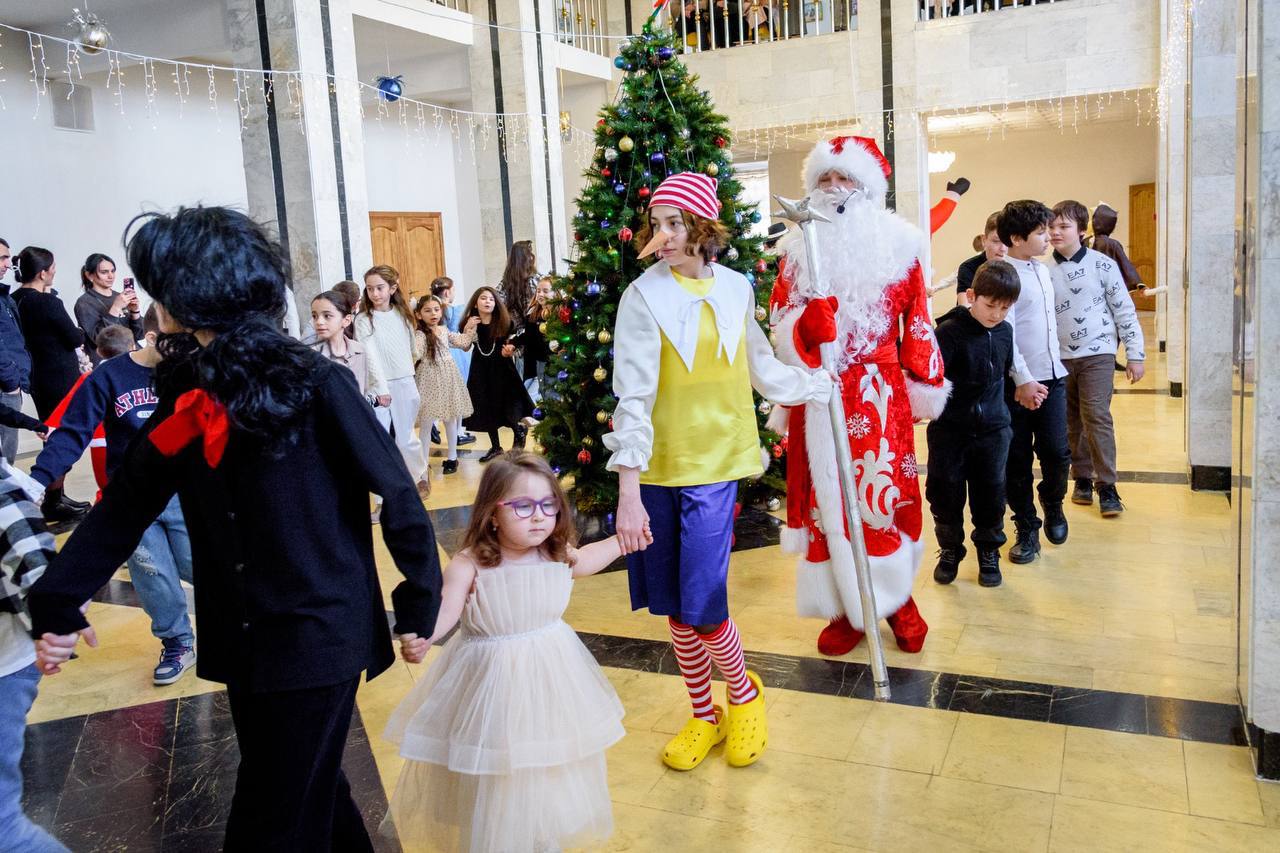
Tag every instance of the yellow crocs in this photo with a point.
(686, 750)
(748, 730)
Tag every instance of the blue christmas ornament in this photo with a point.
(537, 413)
(576, 306)
(646, 174)
(390, 88)
(593, 288)
(604, 223)
(665, 53)
(555, 470)
(562, 375)
(619, 62)
(619, 188)
(755, 216)
(657, 158)
(751, 278)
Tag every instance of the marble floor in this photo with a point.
(1087, 704)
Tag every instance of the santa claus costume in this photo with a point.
(688, 353)
(890, 372)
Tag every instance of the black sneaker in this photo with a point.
(989, 567)
(176, 659)
(1055, 524)
(1109, 501)
(1083, 492)
(75, 504)
(59, 510)
(466, 438)
(449, 466)
(1026, 548)
(948, 564)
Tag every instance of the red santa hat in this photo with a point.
(856, 157)
(689, 191)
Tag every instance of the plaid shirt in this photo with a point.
(26, 548)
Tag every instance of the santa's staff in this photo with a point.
(800, 213)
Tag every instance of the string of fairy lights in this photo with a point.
(172, 87)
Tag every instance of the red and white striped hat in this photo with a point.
(690, 191)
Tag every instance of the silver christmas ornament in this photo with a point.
(93, 35)
(773, 504)
(610, 154)
(765, 407)
(731, 254)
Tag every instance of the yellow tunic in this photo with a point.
(704, 423)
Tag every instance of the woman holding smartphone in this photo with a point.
(101, 306)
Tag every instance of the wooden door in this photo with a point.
(413, 243)
(1142, 236)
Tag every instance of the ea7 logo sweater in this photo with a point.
(1093, 308)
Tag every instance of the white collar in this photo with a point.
(677, 310)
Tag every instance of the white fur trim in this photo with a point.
(778, 419)
(891, 575)
(892, 578)
(795, 540)
(928, 401)
(765, 460)
(784, 337)
(852, 161)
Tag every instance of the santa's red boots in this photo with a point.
(909, 629)
(839, 637)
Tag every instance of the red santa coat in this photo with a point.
(893, 375)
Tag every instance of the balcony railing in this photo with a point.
(932, 10)
(583, 24)
(455, 5)
(717, 24)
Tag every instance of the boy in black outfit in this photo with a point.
(969, 442)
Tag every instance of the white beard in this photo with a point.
(862, 252)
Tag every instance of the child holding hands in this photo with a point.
(505, 736)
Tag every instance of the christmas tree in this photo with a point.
(660, 124)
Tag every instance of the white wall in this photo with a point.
(427, 173)
(73, 193)
(1097, 164)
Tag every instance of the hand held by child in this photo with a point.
(53, 650)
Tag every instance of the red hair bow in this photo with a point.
(197, 415)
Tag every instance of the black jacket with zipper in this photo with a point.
(977, 361)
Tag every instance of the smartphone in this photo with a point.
(128, 285)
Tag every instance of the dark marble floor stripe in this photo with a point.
(1183, 719)
(159, 776)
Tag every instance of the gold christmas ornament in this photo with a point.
(602, 417)
(626, 143)
(588, 441)
(542, 327)
(605, 336)
(600, 374)
(761, 313)
(712, 169)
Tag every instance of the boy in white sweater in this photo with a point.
(1095, 315)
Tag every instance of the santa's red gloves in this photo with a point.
(816, 326)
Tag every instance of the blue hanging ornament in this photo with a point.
(751, 278)
(657, 158)
(576, 306)
(604, 223)
(619, 188)
(593, 288)
(537, 413)
(555, 470)
(619, 62)
(391, 88)
(665, 53)
(562, 375)
(755, 216)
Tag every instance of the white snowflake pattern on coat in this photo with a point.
(908, 465)
(859, 425)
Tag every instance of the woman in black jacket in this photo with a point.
(52, 338)
(101, 306)
(273, 453)
(51, 335)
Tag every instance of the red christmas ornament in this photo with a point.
(584, 457)
(643, 192)
(606, 172)
(720, 142)
(762, 265)
(625, 234)
(777, 450)
(565, 314)
(577, 237)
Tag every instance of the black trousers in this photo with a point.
(1043, 434)
(960, 462)
(291, 793)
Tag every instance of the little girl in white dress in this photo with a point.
(504, 738)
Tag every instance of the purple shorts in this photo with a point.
(683, 573)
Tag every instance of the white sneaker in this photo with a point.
(175, 659)
(376, 515)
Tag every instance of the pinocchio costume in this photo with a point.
(688, 353)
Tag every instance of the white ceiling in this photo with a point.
(1054, 115)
